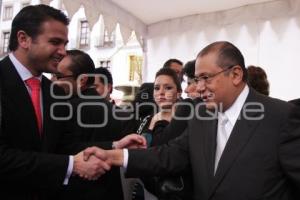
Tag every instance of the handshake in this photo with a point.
(93, 162)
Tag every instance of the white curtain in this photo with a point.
(268, 35)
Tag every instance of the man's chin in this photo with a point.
(51, 70)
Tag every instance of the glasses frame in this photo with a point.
(57, 76)
(206, 78)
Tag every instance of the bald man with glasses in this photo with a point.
(243, 145)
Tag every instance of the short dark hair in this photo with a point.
(81, 63)
(30, 18)
(171, 73)
(258, 80)
(228, 55)
(168, 63)
(106, 73)
(189, 69)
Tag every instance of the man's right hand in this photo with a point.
(114, 157)
(92, 168)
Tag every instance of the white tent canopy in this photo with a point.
(140, 15)
(267, 32)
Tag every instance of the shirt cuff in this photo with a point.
(125, 159)
(69, 171)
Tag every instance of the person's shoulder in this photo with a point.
(91, 101)
(275, 107)
(54, 89)
(4, 59)
(5, 62)
(147, 85)
(267, 100)
(295, 102)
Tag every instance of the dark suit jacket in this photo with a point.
(295, 101)
(96, 111)
(92, 124)
(29, 165)
(143, 105)
(260, 160)
(26, 162)
(178, 124)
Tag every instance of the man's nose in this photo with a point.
(62, 50)
(200, 87)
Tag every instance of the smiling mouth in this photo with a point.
(162, 100)
(57, 59)
(207, 97)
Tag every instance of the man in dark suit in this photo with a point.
(32, 125)
(242, 146)
(104, 83)
(92, 122)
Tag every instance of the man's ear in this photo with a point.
(83, 80)
(237, 74)
(109, 88)
(24, 40)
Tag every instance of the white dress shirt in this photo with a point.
(232, 114)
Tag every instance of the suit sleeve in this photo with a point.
(21, 164)
(169, 159)
(31, 168)
(93, 127)
(178, 123)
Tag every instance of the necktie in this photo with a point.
(222, 137)
(35, 87)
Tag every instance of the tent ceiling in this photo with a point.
(159, 10)
(138, 15)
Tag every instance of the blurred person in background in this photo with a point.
(92, 123)
(104, 83)
(258, 80)
(189, 75)
(167, 91)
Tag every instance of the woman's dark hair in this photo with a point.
(30, 20)
(171, 73)
(258, 80)
(168, 63)
(189, 69)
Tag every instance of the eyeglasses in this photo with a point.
(208, 77)
(60, 76)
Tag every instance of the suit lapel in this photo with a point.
(49, 126)
(46, 107)
(240, 135)
(54, 110)
(205, 123)
(209, 131)
(18, 95)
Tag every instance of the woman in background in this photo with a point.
(167, 91)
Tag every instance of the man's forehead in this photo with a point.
(206, 62)
(54, 26)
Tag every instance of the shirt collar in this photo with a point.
(24, 73)
(234, 110)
